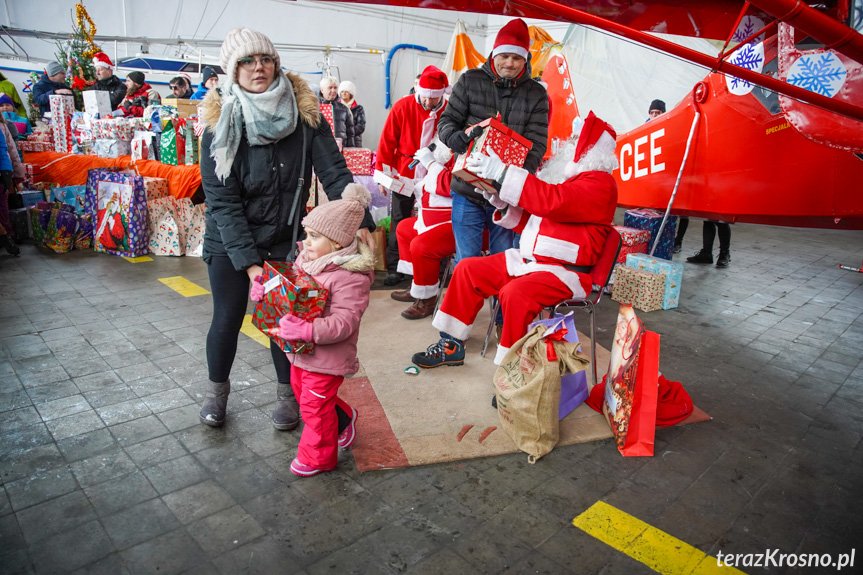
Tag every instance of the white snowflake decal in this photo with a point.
(821, 73)
(751, 57)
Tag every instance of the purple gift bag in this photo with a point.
(573, 386)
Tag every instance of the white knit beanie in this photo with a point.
(348, 86)
(242, 42)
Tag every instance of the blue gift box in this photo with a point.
(31, 197)
(672, 271)
(650, 220)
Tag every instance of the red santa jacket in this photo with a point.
(560, 224)
(133, 106)
(435, 199)
(408, 128)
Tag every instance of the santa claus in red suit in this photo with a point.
(563, 214)
(410, 126)
(427, 239)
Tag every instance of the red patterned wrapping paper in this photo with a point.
(156, 188)
(62, 108)
(642, 289)
(327, 111)
(632, 236)
(626, 250)
(359, 161)
(288, 290)
(509, 145)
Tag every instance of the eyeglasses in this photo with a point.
(252, 63)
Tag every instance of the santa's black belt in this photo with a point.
(579, 269)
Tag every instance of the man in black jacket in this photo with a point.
(106, 81)
(501, 88)
(53, 81)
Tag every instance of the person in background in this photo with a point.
(656, 109)
(333, 256)
(106, 81)
(343, 120)
(416, 84)
(19, 123)
(181, 88)
(410, 126)
(139, 95)
(250, 171)
(8, 88)
(7, 185)
(53, 81)
(347, 93)
(210, 81)
(705, 254)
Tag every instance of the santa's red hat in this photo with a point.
(595, 134)
(513, 38)
(433, 83)
(101, 60)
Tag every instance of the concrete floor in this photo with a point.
(105, 468)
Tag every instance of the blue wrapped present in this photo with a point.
(650, 220)
(672, 271)
(31, 197)
(72, 195)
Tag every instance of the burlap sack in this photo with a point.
(527, 385)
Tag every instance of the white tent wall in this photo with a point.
(297, 23)
(615, 77)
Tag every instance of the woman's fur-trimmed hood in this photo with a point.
(307, 104)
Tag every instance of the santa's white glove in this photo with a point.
(488, 167)
(493, 199)
(425, 157)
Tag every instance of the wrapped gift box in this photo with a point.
(511, 146)
(287, 290)
(650, 220)
(111, 148)
(185, 108)
(97, 103)
(164, 226)
(71, 195)
(34, 146)
(62, 108)
(359, 161)
(156, 188)
(641, 289)
(390, 179)
(673, 272)
(327, 111)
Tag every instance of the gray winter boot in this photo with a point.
(213, 410)
(286, 414)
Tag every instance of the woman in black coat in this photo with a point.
(342, 117)
(264, 134)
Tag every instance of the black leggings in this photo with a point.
(230, 297)
(710, 231)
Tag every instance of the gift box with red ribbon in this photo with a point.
(288, 290)
(510, 146)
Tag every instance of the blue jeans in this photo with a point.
(468, 223)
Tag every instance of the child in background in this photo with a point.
(333, 256)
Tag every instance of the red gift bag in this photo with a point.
(631, 392)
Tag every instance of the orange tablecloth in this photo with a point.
(71, 170)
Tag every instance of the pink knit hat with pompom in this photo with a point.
(340, 220)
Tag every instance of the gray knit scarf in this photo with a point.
(268, 117)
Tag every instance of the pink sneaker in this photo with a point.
(349, 435)
(303, 470)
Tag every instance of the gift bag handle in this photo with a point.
(295, 213)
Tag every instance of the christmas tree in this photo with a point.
(78, 52)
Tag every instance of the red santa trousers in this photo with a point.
(521, 298)
(420, 255)
(317, 394)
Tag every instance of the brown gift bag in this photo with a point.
(380, 237)
(527, 385)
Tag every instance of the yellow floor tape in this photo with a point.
(253, 332)
(648, 545)
(183, 286)
(138, 259)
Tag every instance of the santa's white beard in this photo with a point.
(560, 167)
